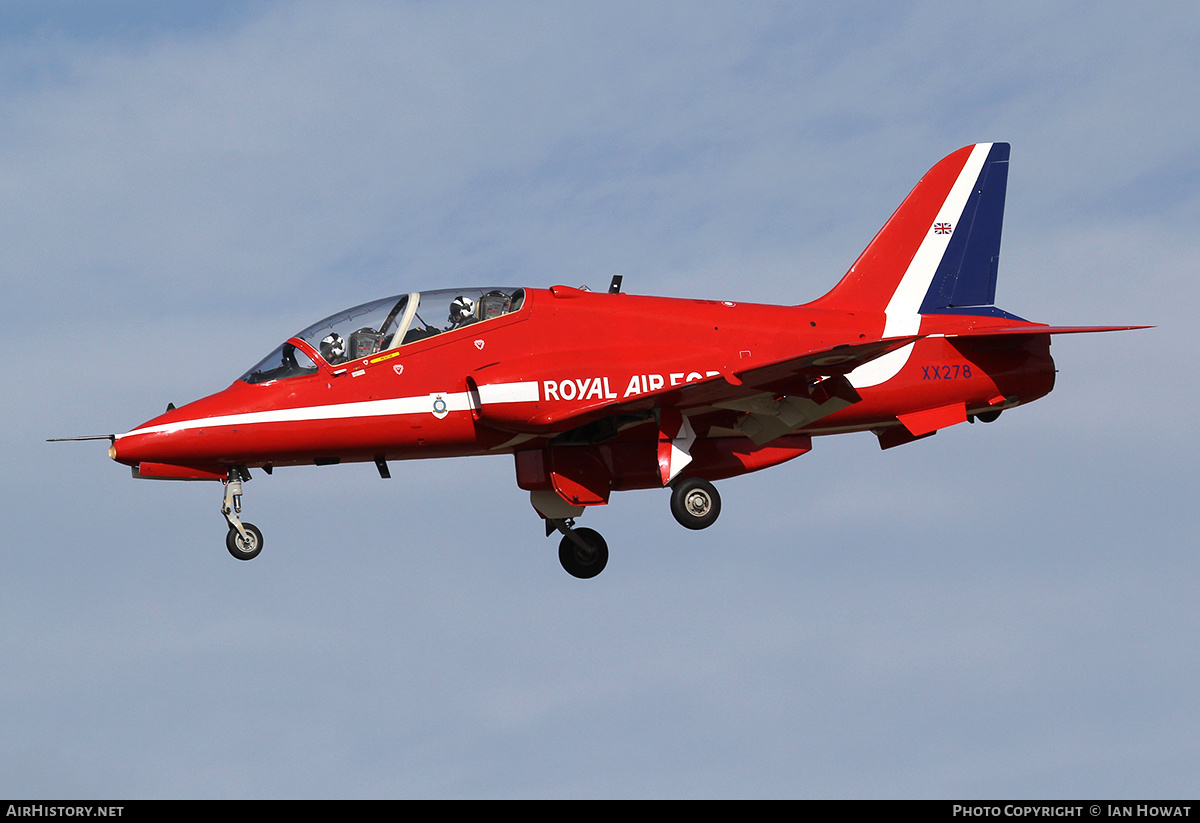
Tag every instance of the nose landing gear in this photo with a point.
(244, 540)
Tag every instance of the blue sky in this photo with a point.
(1003, 610)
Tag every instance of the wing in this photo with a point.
(814, 382)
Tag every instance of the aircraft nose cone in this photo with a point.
(123, 448)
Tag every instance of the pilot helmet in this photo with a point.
(461, 308)
(333, 348)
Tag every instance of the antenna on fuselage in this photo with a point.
(615, 286)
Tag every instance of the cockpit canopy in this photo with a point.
(385, 324)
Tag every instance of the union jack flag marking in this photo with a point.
(942, 228)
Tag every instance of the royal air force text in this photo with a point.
(599, 388)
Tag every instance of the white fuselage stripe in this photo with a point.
(424, 404)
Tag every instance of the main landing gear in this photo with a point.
(695, 503)
(583, 553)
(244, 540)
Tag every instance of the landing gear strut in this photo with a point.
(244, 540)
(582, 552)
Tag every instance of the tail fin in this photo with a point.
(938, 253)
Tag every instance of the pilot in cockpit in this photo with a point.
(333, 348)
(462, 312)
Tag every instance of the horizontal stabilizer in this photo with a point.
(1011, 330)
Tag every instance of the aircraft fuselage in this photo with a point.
(569, 355)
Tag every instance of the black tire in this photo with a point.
(239, 547)
(580, 563)
(988, 416)
(695, 503)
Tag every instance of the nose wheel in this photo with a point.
(246, 544)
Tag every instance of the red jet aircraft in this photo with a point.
(593, 393)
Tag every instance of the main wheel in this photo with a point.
(241, 547)
(695, 503)
(578, 562)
